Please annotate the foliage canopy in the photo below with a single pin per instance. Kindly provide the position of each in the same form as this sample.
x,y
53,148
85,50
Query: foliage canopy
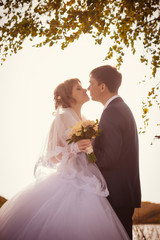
x,y
125,21
64,21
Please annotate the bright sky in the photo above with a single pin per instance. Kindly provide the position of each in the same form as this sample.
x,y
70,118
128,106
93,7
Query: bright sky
x,y
27,81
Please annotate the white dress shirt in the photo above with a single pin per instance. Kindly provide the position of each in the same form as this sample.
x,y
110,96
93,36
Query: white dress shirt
x,y
110,100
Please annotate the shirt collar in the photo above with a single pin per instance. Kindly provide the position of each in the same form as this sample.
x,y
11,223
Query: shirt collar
x,y
109,101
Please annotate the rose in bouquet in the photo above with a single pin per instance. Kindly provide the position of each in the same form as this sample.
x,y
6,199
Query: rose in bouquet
x,y
85,129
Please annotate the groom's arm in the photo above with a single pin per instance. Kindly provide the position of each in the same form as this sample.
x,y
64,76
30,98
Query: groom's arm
x,y
108,145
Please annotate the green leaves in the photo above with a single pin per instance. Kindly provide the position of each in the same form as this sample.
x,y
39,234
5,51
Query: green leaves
x,y
124,21
152,99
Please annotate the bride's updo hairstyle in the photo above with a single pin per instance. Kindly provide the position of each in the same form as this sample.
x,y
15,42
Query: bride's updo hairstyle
x,y
63,93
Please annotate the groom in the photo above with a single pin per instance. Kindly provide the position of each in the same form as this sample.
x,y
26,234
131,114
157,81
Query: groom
x,y
117,146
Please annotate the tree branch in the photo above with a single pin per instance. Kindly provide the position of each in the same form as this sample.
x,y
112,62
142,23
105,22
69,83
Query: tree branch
x,y
155,19
1,3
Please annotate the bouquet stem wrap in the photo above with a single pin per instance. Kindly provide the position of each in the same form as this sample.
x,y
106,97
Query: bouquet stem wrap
x,y
91,156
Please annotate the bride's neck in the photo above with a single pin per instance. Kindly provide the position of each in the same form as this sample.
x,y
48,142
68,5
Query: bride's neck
x,y
77,109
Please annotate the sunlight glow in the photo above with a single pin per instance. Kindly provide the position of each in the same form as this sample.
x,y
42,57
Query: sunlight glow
x,y
26,102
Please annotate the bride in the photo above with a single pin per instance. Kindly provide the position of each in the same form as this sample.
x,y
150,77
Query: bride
x,y
70,202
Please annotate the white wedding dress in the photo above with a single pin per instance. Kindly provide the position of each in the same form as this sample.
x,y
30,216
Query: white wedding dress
x,y
69,203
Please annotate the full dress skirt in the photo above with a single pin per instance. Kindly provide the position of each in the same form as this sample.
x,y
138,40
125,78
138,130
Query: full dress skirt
x,y
55,208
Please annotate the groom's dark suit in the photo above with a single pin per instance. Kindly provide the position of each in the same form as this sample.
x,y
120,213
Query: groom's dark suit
x,y
118,159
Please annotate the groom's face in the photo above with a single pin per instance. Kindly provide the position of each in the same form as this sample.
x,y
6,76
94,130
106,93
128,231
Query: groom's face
x,y
95,89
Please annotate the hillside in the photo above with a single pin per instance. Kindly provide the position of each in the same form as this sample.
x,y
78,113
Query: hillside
x,y
2,201
149,213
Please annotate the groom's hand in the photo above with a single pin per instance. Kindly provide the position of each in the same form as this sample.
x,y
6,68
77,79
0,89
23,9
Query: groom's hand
x,y
84,144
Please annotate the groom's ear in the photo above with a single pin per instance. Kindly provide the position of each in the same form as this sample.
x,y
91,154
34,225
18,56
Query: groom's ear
x,y
103,87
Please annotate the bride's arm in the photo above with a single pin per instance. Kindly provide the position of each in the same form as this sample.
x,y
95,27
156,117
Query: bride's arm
x,y
57,145
54,160
80,146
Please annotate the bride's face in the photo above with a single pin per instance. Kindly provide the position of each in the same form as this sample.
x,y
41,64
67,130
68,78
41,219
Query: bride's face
x,y
79,94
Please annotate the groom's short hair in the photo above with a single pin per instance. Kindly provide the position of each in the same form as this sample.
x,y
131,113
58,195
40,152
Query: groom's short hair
x,y
109,76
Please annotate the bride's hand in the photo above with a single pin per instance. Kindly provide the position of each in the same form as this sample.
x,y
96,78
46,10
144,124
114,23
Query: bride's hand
x,y
84,144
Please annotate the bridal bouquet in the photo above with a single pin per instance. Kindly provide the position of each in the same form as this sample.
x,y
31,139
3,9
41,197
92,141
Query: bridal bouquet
x,y
85,129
